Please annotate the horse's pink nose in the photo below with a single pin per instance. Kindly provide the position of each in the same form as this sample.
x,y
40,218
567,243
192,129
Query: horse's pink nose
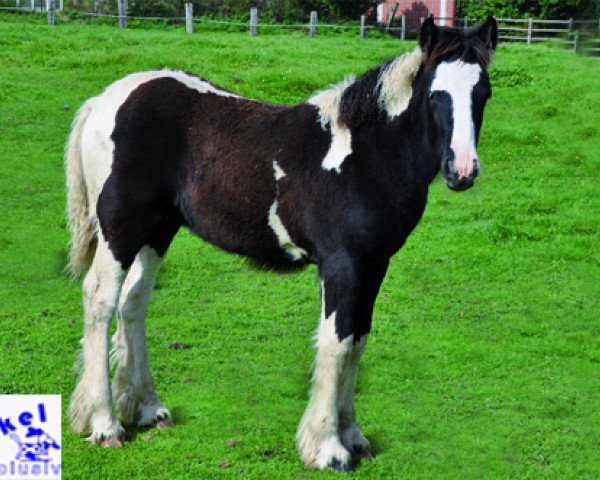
x,y
465,160
473,172
460,177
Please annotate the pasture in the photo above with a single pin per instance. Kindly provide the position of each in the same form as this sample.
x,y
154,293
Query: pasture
x,y
484,359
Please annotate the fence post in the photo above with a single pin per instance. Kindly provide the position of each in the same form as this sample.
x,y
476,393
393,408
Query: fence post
x,y
575,41
465,22
253,21
33,5
313,23
17,3
529,29
570,24
95,6
122,13
189,18
403,32
60,5
51,16
363,26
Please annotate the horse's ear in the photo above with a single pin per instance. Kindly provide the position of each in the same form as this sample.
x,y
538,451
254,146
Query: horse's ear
x,y
428,34
488,33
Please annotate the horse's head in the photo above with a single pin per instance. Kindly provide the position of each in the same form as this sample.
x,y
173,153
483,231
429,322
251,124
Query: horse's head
x,y
458,87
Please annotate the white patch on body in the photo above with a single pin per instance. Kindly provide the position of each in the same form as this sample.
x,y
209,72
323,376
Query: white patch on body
x,y
458,78
395,82
318,439
279,173
283,236
341,147
328,102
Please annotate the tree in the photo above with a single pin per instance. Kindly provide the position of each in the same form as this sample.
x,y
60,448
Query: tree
x,y
348,9
549,9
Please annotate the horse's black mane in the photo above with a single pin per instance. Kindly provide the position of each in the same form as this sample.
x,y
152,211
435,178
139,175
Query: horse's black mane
x,y
359,101
454,43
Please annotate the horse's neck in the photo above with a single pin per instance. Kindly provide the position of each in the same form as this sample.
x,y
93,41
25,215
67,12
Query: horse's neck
x,y
407,145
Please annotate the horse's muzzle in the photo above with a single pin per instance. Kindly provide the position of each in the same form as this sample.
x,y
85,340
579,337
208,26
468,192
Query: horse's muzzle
x,y
454,180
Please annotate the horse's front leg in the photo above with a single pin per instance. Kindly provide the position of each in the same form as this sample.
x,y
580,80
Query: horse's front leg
x,y
351,436
318,437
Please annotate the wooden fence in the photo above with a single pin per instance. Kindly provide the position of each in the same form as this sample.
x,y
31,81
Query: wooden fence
x,y
575,34
581,36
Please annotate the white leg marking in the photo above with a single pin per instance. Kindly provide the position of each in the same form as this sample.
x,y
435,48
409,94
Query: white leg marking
x,y
318,438
133,386
91,402
351,436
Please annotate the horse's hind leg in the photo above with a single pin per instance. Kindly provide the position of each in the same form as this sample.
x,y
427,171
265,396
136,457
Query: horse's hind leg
x,y
133,386
91,402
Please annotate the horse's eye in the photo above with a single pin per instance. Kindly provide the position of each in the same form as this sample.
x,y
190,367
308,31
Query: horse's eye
x,y
434,96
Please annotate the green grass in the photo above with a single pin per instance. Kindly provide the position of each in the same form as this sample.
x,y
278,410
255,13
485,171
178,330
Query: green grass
x,y
484,360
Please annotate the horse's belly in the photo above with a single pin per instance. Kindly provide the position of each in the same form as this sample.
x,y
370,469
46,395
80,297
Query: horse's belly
x,y
240,216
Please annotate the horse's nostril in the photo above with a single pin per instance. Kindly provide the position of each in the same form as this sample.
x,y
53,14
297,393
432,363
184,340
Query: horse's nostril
x,y
449,168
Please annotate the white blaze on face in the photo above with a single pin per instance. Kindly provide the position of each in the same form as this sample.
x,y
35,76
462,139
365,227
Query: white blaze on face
x,y
458,78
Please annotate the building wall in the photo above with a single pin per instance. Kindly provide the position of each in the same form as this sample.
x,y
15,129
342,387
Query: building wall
x,y
415,9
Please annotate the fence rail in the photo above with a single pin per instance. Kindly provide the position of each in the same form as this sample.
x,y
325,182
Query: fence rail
x,y
579,35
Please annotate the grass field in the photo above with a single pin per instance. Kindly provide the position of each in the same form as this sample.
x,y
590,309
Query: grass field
x,y
484,360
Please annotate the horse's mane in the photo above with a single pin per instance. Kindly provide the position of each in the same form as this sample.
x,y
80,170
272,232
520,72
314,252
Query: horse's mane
x,y
387,87
328,100
386,90
460,44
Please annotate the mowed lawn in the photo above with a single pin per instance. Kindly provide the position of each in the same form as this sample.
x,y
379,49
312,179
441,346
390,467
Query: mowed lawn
x,y
484,359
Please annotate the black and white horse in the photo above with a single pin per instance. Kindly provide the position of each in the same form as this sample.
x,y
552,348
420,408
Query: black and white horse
x,y
340,180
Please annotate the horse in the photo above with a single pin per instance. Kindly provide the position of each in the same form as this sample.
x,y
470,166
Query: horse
x,y
339,180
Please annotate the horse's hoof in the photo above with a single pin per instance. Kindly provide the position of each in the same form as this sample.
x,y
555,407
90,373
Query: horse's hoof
x,y
155,416
111,442
361,452
164,422
111,437
337,466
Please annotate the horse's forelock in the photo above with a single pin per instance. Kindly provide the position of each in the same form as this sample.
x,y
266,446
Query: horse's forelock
x,y
451,44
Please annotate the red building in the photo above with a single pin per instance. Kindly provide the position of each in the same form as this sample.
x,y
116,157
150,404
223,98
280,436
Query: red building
x,y
415,9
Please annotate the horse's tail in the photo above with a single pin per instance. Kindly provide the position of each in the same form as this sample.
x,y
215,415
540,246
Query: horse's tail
x,y
83,229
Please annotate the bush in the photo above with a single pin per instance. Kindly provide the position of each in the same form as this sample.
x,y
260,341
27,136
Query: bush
x,y
549,9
